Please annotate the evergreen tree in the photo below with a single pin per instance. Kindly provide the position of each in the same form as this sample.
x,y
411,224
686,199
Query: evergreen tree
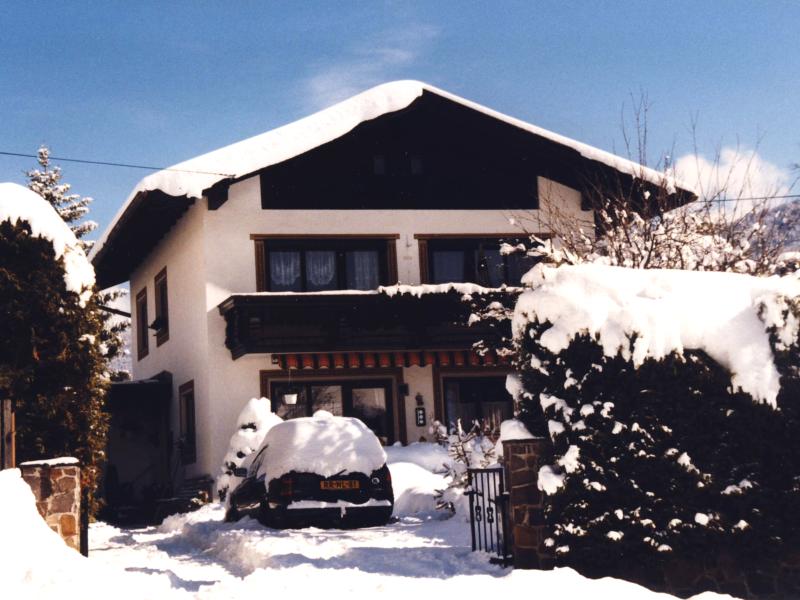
x,y
664,461
51,364
73,208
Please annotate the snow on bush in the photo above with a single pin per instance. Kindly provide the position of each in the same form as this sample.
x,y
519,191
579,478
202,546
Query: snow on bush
x,y
662,392
322,444
641,314
21,205
468,449
255,420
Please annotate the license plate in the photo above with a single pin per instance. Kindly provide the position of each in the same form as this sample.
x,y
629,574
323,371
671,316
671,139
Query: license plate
x,y
340,484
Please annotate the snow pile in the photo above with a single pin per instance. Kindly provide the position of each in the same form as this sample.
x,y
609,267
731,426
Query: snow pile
x,y
209,559
28,547
19,204
415,489
255,420
322,444
36,563
419,475
431,457
511,429
724,314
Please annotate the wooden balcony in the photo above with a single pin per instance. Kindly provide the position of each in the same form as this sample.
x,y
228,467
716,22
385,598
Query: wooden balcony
x,y
384,320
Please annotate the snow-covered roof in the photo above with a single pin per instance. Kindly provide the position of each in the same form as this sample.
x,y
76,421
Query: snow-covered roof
x,y
322,444
727,315
19,204
190,178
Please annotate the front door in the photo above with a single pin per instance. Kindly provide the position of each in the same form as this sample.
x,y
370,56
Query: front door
x,y
369,400
481,401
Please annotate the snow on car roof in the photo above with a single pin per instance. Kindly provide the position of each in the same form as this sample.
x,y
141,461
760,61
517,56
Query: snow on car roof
x,y
191,177
323,444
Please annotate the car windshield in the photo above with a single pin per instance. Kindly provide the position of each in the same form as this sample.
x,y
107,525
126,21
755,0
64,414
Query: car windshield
x,y
254,466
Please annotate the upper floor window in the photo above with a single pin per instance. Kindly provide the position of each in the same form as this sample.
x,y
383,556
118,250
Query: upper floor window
x,y
474,260
141,324
324,263
161,323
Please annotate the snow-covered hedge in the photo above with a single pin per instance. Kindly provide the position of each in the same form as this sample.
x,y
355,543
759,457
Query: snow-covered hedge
x,y
671,398
255,420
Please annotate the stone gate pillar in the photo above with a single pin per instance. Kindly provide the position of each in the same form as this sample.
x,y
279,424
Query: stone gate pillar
x,y
522,460
56,485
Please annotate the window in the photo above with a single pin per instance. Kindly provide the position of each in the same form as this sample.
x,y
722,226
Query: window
x,y
141,324
367,400
474,260
482,400
322,264
161,324
187,442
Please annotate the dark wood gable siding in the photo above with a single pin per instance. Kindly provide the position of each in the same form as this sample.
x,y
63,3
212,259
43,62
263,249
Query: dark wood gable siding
x,y
434,154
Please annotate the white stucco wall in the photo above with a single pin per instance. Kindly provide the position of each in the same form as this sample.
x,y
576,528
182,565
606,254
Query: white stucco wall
x,y
185,354
420,381
209,256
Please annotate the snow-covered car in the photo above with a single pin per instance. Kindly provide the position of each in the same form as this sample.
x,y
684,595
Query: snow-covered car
x,y
323,471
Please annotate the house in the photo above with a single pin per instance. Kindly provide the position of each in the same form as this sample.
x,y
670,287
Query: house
x,y
270,268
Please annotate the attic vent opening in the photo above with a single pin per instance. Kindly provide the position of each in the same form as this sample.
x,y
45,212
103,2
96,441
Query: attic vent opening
x,y
379,164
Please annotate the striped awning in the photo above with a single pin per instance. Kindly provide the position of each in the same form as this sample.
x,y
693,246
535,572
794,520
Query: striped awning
x,y
369,360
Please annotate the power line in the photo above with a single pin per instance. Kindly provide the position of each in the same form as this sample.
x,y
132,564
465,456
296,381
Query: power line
x,y
149,168
114,164
754,198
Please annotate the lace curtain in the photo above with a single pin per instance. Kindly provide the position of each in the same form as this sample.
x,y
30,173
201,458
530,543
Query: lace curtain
x,y
362,270
284,270
320,269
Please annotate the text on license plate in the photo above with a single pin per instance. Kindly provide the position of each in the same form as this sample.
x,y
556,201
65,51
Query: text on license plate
x,y
340,484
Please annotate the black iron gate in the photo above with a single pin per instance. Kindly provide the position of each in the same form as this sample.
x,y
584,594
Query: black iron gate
x,y
488,513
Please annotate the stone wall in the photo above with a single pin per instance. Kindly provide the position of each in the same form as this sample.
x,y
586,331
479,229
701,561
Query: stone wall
x,y
723,573
56,486
526,502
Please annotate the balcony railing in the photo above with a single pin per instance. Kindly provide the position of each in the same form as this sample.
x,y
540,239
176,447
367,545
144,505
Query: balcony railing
x,y
392,318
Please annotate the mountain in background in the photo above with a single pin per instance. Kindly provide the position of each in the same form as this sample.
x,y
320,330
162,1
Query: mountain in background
x,y
786,219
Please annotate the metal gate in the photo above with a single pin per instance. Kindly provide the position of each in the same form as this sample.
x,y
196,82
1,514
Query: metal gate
x,y
488,513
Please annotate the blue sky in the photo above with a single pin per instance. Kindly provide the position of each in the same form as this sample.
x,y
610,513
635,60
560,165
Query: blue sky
x,y
163,82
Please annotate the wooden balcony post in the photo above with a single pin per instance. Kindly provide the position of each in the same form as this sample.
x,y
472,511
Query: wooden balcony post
x,y
8,459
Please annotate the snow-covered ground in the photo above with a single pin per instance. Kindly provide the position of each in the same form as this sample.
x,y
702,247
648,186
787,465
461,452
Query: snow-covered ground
x,y
198,555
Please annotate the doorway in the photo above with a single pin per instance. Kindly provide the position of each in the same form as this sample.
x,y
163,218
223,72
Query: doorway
x,y
481,400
